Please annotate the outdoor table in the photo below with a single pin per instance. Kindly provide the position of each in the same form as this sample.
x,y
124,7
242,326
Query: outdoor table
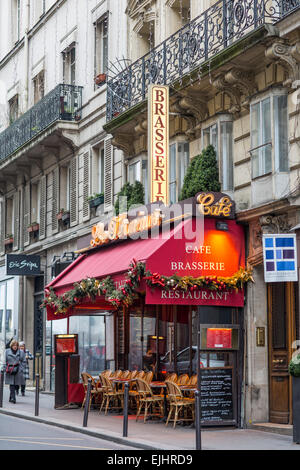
x,y
162,385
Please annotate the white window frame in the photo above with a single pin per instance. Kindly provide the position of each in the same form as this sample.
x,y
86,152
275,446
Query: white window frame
x,y
224,159
275,129
69,65
178,179
101,44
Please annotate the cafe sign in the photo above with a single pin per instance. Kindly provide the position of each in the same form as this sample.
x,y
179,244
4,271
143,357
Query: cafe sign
x,y
158,132
23,265
216,205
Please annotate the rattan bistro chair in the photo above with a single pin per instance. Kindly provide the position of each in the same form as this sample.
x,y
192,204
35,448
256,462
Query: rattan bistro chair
x,y
182,379
182,407
148,377
172,377
96,390
110,393
148,400
133,392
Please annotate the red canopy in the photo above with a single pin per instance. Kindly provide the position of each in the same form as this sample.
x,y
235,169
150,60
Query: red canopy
x,y
171,252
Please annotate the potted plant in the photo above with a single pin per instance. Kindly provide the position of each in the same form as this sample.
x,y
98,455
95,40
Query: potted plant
x,y
294,370
100,79
65,216
9,239
33,227
95,200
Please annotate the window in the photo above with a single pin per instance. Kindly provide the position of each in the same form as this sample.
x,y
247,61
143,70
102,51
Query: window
x,y
220,135
101,171
64,184
101,46
269,113
16,20
134,172
38,87
9,214
179,162
69,65
13,105
35,203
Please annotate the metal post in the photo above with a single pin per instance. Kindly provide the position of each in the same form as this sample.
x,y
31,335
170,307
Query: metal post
x,y
125,412
1,387
87,403
37,396
198,392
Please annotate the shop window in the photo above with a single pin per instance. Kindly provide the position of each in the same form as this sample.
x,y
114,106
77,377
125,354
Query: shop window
x,y
38,87
13,110
220,135
101,45
267,145
179,162
69,66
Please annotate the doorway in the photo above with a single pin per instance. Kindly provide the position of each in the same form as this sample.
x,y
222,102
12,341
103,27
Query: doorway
x,y
282,305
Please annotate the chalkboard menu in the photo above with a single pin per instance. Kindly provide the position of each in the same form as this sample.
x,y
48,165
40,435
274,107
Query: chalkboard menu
x,y
216,395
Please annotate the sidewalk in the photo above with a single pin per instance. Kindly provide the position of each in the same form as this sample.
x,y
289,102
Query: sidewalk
x,y
151,435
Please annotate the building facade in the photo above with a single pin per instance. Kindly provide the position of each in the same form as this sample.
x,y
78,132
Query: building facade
x,y
233,72
54,152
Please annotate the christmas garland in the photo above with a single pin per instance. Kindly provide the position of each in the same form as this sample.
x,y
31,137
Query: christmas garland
x,y
92,288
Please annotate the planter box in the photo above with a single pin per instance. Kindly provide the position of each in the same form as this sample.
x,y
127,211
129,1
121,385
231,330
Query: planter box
x,y
100,79
33,228
296,410
96,202
65,216
8,241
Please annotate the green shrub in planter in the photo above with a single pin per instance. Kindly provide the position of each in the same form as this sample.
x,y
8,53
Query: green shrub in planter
x,y
202,174
294,366
135,195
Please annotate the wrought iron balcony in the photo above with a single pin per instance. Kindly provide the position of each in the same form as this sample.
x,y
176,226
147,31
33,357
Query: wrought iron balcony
x,y
219,27
63,103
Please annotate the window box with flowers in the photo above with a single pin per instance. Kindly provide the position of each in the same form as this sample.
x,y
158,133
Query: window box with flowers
x,y
100,79
9,239
33,227
95,200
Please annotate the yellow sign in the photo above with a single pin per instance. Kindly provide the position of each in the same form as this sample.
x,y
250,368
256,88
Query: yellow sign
x,y
158,119
209,206
121,227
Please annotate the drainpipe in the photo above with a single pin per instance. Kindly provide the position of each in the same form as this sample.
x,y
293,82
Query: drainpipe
x,y
26,54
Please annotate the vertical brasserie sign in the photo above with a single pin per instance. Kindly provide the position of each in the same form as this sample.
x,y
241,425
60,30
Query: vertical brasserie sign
x,y
158,132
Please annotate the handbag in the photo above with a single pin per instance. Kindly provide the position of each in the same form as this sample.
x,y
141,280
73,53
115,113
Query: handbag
x,y
12,369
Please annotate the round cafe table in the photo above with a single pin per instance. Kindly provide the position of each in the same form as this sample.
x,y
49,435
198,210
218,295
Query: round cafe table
x,y
157,384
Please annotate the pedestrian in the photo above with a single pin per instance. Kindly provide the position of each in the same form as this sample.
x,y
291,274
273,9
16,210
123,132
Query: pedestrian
x,y
28,356
14,366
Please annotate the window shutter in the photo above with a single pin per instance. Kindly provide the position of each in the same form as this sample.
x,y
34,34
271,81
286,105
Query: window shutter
x,y
2,226
26,236
73,191
16,221
86,186
108,175
55,199
43,208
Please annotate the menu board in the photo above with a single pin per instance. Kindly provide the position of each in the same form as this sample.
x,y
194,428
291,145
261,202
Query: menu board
x,y
66,344
216,395
219,338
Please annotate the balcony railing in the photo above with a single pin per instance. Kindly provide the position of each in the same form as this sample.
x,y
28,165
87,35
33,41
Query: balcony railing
x,y
63,103
200,40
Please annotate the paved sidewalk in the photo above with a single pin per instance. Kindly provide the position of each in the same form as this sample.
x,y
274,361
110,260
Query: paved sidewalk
x,y
151,435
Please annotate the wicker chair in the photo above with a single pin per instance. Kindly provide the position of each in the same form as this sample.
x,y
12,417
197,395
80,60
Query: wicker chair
x,y
147,400
110,394
179,404
107,373
193,380
183,379
172,377
126,374
96,389
133,393
148,377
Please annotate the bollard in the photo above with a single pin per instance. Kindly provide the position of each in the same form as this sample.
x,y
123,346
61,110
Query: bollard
x,y
87,403
125,412
37,394
198,419
1,387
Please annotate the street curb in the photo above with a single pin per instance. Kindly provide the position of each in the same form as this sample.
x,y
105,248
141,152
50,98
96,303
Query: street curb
x,y
106,437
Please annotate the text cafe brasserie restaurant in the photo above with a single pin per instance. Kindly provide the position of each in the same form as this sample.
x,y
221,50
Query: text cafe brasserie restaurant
x,y
152,278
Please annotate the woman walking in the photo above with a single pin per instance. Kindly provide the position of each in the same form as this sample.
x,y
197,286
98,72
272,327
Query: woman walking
x,y
15,364
28,356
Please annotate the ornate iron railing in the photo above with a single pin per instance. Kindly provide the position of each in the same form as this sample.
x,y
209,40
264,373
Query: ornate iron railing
x,y
200,40
62,103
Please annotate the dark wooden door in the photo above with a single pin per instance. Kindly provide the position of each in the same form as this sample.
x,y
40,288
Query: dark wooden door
x,y
281,315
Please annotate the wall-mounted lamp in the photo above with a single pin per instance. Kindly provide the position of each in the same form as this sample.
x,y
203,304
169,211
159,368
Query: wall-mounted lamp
x,y
220,225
